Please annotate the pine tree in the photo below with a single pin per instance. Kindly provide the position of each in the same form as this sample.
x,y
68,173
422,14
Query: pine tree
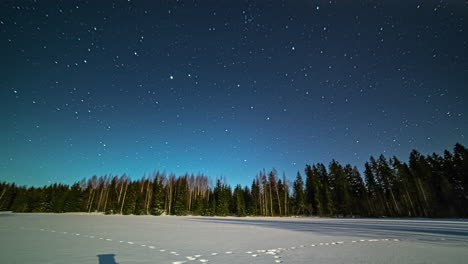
x,y
275,199
388,181
239,201
460,178
157,207
373,191
222,198
8,194
325,190
181,193
441,188
255,189
340,189
299,197
312,191
357,191
73,199
248,201
421,172
406,187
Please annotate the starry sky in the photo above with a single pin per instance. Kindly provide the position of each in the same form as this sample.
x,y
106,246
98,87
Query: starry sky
x,y
225,88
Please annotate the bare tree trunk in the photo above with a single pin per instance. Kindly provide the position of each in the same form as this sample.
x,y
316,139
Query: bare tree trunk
x,y
279,200
148,197
263,200
166,202
371,206
191,192
424,196
387,205
286,211
190,197
395,202
145,190
92,199
170,186
123,199
120,192
411,202
89,198
100,198
3,193
105,201
149,202
260,197
170,199
271,202
266,201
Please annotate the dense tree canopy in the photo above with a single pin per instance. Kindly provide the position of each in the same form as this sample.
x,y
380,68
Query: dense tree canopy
x,y
426,186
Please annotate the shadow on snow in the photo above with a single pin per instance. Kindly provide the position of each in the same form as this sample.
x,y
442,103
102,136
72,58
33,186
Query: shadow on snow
x,y
425,230
106,259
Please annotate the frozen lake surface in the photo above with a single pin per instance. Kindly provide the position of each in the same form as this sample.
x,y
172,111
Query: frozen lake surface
x,y
110,239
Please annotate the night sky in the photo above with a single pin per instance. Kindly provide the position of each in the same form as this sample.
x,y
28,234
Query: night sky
x,y
226,88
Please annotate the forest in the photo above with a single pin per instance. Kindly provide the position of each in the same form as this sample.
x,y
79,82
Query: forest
x,y
426,186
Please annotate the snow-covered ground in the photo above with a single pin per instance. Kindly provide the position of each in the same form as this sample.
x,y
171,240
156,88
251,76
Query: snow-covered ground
x,y
83,238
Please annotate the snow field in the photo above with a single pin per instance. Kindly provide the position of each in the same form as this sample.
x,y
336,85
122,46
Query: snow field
x,y
275,253
80,238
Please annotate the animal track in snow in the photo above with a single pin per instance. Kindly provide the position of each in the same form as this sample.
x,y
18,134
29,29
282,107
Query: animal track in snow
x,y
257,253
133,243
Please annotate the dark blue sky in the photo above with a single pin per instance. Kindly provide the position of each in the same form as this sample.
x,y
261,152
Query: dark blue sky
x,y
225,88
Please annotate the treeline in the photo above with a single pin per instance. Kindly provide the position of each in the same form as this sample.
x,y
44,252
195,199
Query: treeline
x,y
425,186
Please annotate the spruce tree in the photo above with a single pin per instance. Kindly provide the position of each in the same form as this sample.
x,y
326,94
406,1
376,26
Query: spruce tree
x,y
157,207
312,191
340,189
239,201
180,204
357,191
299,197
325,190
